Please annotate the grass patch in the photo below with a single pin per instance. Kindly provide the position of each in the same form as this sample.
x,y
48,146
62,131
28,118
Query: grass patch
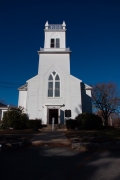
x,y
15,138
113,134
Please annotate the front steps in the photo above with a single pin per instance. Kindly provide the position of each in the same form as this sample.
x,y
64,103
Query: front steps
x,y
56,126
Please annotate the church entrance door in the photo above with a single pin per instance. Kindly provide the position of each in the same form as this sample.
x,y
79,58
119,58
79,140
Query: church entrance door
x,y
53,113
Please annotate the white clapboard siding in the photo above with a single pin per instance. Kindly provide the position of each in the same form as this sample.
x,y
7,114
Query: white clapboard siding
x,y
74,94
32,97
22,99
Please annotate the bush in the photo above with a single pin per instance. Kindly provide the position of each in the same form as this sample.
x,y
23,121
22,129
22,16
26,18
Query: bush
x,y
71,124
1,125
33,124
89,121
15,118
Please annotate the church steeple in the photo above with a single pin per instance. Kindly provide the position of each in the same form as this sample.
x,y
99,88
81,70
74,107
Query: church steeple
x,y
55,37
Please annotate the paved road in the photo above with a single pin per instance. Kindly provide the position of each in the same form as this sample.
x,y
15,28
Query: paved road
x,y
57,163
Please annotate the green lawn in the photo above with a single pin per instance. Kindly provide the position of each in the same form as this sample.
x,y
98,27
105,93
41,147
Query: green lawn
x,y
112,133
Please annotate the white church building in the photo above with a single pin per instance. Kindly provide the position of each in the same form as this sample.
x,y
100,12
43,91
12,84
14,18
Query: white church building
x,y
54,89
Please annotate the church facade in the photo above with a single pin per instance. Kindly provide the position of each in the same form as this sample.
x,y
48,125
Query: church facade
x,y
54,89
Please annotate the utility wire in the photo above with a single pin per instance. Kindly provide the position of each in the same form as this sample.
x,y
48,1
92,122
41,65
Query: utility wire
x,y
3,82
8,87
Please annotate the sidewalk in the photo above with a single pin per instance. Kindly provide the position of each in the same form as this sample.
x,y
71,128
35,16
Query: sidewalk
x,y
50,137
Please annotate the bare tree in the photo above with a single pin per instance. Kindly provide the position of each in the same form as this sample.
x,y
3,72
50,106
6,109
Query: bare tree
x,y
106,98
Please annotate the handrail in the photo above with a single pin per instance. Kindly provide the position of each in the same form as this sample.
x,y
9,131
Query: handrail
x,y
55,26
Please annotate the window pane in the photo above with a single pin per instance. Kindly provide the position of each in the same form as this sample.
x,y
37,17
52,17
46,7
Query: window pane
x,y
50,77
50,85
50,89
52,44
54,72
50,93
57,93
52,40
57,40
57,77
57,89
57,43
57,85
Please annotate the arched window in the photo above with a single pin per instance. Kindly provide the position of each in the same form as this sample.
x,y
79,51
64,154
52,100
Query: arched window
x,y
50,86
54,85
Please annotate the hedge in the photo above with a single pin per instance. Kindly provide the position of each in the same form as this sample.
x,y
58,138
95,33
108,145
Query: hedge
x,y
14,118
71,124
89,121
31,124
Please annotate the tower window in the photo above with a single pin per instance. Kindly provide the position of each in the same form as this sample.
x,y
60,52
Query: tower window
x,y
54,85
55,43
52,43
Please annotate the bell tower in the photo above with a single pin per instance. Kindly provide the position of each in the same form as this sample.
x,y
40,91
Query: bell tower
x,y
55,36
54,52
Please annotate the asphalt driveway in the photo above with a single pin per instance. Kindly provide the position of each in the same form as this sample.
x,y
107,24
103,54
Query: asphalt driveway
x,y
59,163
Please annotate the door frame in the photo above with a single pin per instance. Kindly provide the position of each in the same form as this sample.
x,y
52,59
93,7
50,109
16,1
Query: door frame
x,y
53,107
54,113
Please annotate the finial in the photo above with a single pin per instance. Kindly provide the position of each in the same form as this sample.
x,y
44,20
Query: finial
x,y
46,25
63,25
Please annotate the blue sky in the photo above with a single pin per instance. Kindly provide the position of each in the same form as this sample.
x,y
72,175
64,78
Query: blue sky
x,y
93,35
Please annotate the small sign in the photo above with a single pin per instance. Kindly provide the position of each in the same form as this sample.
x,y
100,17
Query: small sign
x,y
67,113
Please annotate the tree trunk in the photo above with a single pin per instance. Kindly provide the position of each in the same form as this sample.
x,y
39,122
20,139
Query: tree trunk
x,y
106,122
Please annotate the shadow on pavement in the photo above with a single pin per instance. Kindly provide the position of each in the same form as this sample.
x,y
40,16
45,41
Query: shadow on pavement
x,y
37,163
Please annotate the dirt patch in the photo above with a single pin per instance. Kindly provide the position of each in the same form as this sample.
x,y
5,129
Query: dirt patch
x,y
110,133
13,131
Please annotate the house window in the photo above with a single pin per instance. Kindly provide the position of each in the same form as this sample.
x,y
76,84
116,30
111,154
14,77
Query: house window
x,y
55,43
3,112
54,85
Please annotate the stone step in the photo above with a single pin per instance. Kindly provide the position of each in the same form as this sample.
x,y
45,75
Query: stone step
x,y
56,126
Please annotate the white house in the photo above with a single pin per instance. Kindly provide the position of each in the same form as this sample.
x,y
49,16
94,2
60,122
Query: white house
x,y
54,89
3,109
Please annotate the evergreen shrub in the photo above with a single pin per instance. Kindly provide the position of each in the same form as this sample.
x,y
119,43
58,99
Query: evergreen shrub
x,y
33,124
89,121
71,124
15,118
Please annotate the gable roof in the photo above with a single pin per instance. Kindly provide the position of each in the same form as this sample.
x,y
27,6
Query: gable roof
x,y
85,86
2,105
23,87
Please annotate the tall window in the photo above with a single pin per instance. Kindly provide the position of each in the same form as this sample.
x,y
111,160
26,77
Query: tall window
x,y
54,85
55,43
52,43
50,86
